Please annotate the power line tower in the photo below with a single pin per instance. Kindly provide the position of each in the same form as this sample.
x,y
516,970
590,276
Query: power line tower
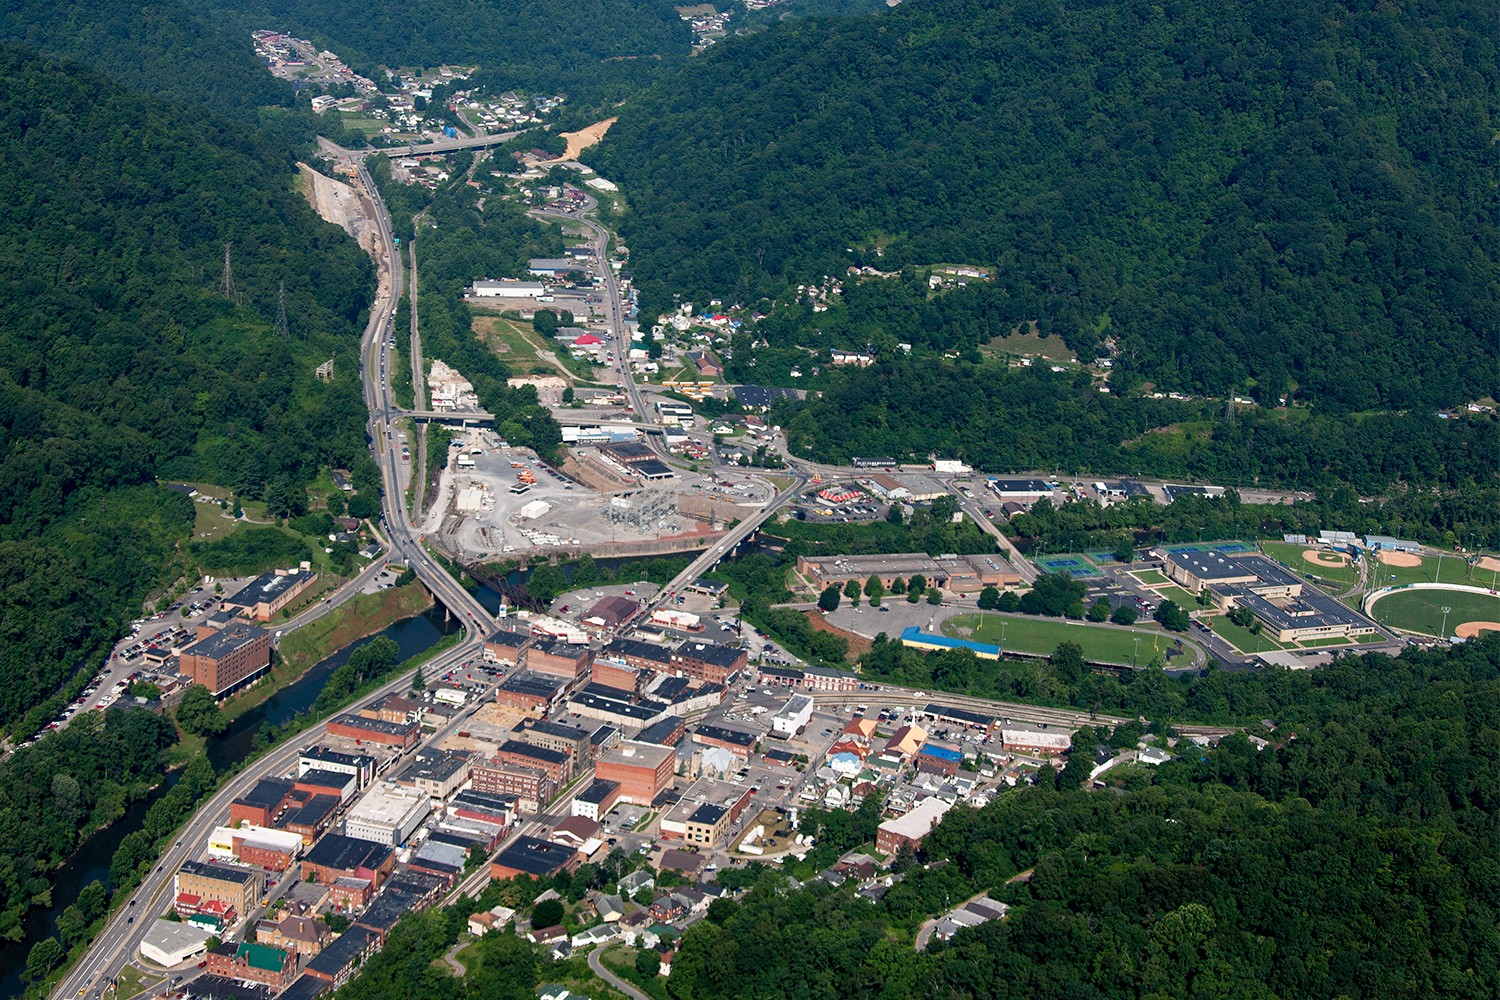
x,y
226,283
281,326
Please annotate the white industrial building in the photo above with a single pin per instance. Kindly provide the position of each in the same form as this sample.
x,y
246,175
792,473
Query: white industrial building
x,y
221,841
535,509
795,714
388,815
168,943
508,289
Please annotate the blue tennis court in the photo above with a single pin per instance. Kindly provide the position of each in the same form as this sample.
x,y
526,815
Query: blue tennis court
x,y
1228,548
1074,566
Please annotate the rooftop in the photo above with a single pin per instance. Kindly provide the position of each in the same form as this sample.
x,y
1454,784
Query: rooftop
x,y
226,640
599,790
220,871
649,651
267,793
434,765
328,755
375,725
268,586
710,652
726,735
531,684
535,857
340,853
533,752
636,754
708,814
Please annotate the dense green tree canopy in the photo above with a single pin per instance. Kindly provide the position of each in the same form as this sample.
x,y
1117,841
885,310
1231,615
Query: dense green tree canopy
x,y
1238,194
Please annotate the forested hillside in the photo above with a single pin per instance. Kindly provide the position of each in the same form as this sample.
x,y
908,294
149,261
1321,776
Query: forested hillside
x,y
167,48
125,362
1280,196
1353,857
578,46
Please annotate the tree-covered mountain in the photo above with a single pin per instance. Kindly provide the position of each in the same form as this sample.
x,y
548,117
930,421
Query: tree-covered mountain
x,y
1286,196
167,48
124,362
579,46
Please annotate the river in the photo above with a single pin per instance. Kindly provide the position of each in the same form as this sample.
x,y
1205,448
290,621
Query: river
x,y
91,861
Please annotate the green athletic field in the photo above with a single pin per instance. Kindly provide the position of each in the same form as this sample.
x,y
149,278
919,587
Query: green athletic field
x,y
1455,570
1025,634
1290,556
1421,611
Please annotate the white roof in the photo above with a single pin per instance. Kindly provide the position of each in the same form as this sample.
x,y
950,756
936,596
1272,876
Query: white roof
x,y
169,943
919,821
388,806
1035,738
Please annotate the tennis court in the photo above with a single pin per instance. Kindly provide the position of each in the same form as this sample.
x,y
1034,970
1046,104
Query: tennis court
x,y
1228,548
1075,566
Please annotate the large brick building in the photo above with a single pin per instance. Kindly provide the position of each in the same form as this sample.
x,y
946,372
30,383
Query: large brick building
x,y
529,693
561,737
363,730
556,765
268,593
337,856
642,770
554,658
506,647
537,858
253,963
708,661
228,659
529,786
236,886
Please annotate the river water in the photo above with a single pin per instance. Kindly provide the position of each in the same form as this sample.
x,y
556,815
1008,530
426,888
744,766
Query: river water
x,y
91,861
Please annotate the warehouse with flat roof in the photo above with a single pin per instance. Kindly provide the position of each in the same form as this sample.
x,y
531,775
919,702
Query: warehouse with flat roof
x,y
387,815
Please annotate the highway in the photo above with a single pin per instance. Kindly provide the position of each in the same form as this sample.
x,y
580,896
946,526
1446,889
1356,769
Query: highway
x,y
118,943
447,145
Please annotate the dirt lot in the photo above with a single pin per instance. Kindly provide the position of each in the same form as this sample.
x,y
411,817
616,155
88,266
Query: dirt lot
x,y
858,644
585,137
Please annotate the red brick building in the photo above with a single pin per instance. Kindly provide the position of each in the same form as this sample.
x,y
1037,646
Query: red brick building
x,y
253,963
642,770
554,658
530,785
228,659
708,661
556,764
362,730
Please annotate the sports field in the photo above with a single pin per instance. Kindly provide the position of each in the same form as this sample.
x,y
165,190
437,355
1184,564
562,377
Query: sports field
x,y
1421,611
1455,570
1326,567
1149,576
1024,634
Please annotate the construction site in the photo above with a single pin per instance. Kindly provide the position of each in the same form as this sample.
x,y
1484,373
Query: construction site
x,y
495,501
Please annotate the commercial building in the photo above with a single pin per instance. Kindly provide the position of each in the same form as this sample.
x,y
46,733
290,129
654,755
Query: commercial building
x,y
708,662
336,963
335,857
505,646
642,770
268,593
318,758
309,816
507,289
306,936
706,812
1035,743
596,801
911,829
362,730
553,657
169,942
228,659
435,773
736,741
340,784
559,737
237,887
612,612
794,715
387,815
530,787
644,655
262,803
939,757
615,707
618,675
1020,489
255,845
248,962
529,693
556,765
537,858
486,807
962,574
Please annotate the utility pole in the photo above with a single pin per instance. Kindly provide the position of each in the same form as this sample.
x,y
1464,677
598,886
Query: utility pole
x,y
281,326
1444,636
226,283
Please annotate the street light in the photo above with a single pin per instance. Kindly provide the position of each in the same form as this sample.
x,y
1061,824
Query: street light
x,y
1135,652
1445,622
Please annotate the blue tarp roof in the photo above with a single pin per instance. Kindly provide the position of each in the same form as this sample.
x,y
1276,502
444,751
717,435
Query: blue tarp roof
x,y
913,634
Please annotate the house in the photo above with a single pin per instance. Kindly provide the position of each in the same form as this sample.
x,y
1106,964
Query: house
x,y
609,908
494,919
910,829
635,882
